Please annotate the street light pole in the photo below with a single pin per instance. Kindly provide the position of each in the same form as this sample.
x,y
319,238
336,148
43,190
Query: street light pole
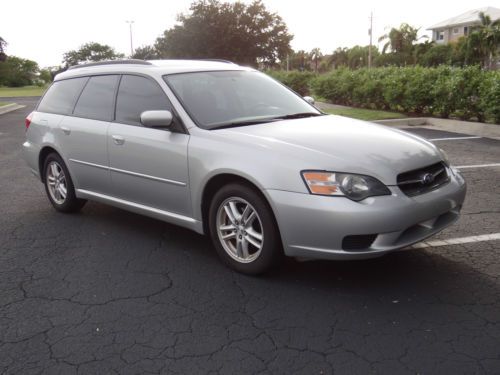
x,y
131,44
371,34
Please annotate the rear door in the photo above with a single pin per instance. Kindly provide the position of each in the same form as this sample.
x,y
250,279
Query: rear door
x,y
84,134
148,166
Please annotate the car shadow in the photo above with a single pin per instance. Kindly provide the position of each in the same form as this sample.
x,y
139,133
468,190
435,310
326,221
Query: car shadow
x,y
432,272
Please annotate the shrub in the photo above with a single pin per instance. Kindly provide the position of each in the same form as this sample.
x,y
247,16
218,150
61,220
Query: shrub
x,y
490,96
296,80
445,91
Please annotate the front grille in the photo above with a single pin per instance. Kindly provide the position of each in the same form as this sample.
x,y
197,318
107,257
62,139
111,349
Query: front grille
x,y
423,180
358,242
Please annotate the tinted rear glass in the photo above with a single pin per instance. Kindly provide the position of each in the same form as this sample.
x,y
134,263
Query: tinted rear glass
x,y
61,96
97,98
136,95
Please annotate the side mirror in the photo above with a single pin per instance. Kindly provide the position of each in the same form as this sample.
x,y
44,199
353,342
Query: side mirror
x,y
156,119
309,99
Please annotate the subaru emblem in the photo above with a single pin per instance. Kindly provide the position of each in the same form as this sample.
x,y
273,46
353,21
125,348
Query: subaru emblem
x,y
427,178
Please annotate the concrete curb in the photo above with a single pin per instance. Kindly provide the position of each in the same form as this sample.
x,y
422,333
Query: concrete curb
x,y
10,107
456,126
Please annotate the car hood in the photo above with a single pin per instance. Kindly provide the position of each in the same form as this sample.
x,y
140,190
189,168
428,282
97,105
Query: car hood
x,y
341,144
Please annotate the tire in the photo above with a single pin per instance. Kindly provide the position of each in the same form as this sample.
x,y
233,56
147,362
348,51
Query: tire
x,y
242,250
57,180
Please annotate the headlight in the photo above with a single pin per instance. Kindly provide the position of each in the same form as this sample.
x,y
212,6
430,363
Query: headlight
x,y
444,157
353,186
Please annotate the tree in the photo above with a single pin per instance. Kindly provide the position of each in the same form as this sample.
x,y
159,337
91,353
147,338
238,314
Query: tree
x,y
45,76
357,56
316,56
339,57
90,52
3,44
436,54
145,53
16,72
401,41
246,34
299,60
484,40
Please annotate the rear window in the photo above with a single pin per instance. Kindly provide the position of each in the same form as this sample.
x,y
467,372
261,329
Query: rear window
x,y
96,100
136,95
61,97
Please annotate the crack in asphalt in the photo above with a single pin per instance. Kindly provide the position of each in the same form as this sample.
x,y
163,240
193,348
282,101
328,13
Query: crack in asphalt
x,y
111,292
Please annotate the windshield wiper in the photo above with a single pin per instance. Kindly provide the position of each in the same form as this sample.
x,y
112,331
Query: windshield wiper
x,y
297,115
242,123
264,120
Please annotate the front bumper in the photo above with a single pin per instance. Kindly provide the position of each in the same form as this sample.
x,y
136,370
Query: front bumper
x,y
314,226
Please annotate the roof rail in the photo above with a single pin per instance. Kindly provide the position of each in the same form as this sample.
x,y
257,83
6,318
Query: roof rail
x,y
219,60
111,62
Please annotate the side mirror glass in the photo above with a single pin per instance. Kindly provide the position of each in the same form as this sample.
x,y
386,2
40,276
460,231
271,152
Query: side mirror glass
x,y
156,119
309,99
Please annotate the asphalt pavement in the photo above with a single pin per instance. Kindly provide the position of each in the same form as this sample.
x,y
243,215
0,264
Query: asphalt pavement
x,y
106,291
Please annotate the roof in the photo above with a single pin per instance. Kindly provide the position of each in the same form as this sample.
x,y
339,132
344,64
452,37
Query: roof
x,y
470,17
154,67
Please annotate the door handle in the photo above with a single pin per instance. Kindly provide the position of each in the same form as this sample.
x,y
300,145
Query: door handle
x,y
66,130
118,139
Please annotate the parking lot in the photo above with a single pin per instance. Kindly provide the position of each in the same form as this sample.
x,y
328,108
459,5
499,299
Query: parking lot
x,y
107,291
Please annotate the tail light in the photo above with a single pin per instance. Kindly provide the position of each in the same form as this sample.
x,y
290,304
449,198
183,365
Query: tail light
x,y
27,121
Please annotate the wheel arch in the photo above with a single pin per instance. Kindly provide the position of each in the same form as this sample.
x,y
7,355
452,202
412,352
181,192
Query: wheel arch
x,y
44,152
219,180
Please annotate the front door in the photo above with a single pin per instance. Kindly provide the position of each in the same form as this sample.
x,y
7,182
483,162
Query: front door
x,y
148,166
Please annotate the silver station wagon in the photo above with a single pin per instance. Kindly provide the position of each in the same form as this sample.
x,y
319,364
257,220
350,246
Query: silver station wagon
x,y
227,151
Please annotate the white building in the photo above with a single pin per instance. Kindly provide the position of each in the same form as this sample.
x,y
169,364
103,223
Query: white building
x,y
453,28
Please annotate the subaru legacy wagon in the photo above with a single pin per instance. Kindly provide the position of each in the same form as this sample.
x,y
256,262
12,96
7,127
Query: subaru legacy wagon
x,y
227,151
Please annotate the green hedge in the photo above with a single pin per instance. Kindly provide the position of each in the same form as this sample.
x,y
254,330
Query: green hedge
x,y
297,81
466,93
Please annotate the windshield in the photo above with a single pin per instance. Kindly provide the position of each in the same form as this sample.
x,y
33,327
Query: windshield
x,y
236,98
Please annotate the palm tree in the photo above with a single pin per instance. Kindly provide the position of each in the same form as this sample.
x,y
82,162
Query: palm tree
x,y
401,40
316,55
484,40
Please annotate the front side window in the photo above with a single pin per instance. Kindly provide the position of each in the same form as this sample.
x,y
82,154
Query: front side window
x,y
97,99
232,98
61,97
136,95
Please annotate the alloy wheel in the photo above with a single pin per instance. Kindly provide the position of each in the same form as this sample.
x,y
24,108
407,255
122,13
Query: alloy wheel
x,y
56,182
240,230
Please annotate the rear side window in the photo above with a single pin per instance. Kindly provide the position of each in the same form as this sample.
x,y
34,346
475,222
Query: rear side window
x,y
61,96
97,99
136,95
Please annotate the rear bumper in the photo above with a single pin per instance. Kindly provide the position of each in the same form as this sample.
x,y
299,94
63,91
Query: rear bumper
x,y
30,155
316,226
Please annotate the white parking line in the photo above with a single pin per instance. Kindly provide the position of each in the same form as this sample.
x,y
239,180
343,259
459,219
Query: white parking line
x,y
452,138
457,241
478,166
